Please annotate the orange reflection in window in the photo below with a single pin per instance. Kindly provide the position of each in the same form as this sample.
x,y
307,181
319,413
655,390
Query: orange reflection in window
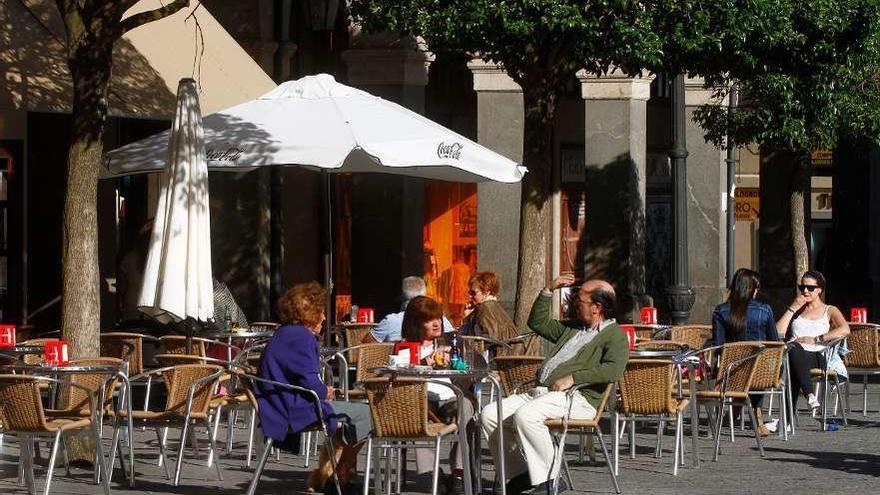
x,y
450,244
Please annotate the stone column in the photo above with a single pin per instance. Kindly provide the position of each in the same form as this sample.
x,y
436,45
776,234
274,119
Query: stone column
x,y
499,128
387,210
615,125
706,190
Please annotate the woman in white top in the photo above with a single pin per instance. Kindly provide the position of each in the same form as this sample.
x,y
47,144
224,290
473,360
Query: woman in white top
x,y
811,323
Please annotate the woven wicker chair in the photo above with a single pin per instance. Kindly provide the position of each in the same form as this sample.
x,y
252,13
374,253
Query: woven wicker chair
x,y
517,373
770,380
733,380
644,332
560,427
369,356
399,409
34,359
128,347
354,335
190,388
864,356
647,391
22,405
695,336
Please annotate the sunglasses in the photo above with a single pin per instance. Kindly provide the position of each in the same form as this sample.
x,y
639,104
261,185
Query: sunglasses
x,y
808,288
472,292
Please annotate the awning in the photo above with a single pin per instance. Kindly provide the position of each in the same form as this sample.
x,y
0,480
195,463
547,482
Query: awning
x,y
148,62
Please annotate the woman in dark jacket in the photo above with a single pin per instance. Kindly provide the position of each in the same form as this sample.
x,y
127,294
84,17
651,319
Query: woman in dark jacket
x,y
742,318
293,356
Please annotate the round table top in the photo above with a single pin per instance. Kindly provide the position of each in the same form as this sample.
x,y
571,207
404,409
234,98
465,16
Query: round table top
x,y
428,372
241,334
664,353
46,369
23,349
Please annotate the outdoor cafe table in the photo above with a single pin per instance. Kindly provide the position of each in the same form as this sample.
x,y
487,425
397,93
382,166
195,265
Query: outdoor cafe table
x,y
680,359
476,376
110,372
229,336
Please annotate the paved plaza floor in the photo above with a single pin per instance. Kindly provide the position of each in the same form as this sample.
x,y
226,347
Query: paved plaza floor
x,y
843,461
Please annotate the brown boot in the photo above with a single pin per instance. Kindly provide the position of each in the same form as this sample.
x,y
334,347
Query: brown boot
x,y
761,430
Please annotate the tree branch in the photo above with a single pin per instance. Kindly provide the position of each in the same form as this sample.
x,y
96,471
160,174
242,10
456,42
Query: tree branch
x,y
139,20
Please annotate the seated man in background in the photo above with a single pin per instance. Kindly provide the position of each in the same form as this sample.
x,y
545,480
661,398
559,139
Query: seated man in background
x,y
390,328
590,350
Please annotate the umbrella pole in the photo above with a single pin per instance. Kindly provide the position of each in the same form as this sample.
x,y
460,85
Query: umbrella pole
x,y
328,254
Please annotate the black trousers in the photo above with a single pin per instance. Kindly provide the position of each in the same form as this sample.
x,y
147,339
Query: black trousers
x,y
802,361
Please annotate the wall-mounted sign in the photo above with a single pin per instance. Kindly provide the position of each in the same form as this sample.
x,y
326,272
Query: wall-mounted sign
x,y
822,158
748,202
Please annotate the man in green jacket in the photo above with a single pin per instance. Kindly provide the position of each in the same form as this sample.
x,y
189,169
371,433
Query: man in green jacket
x,y
591,350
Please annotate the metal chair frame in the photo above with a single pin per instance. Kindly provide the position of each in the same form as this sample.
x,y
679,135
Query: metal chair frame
x,y
261,463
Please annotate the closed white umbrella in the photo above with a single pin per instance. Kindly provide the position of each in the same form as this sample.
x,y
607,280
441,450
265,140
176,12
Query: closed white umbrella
x,y
177,282
319,123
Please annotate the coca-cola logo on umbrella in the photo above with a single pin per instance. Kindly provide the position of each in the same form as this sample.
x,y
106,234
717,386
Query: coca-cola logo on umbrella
x,y
451,150
228,155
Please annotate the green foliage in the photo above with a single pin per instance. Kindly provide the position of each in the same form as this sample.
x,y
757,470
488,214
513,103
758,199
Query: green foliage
x,y
535,40
807,72
806,68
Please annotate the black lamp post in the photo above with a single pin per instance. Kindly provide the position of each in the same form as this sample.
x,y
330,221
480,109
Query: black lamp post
x,y
679,296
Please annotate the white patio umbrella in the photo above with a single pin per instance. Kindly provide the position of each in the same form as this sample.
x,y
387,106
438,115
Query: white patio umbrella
x,y
317,122
177,282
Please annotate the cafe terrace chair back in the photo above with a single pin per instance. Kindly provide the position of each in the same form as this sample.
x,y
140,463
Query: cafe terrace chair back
x,y
695,336
399,409
648,392
733,380
23,413
517,373
864,357
190,388
560,427
770,379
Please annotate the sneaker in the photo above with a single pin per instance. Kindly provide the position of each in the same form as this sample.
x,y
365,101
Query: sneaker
x,y
772,425
814,404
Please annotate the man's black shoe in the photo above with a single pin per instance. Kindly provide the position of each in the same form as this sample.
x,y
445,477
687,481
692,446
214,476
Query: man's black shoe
x,y
454,485
546,488
518,484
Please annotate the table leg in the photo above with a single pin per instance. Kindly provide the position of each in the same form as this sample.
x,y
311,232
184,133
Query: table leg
x,y
499,462
695,414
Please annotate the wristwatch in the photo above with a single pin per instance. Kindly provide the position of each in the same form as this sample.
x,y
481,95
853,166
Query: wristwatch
x,y
819,339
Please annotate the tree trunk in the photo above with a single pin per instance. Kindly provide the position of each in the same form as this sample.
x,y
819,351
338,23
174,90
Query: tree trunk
x,y
80,302
81,310
800,183
535,217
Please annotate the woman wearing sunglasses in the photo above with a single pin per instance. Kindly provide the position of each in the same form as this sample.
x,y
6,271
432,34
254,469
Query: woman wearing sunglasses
x,y
811,324
486,317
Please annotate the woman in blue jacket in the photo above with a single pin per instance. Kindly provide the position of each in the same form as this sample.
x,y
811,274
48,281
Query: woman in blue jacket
x,y
293,356
743,318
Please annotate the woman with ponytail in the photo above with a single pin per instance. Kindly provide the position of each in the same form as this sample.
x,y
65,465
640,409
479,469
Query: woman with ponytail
x,y
743,318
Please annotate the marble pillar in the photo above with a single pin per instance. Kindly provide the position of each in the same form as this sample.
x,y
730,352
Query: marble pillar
x,y
707,209
499,128
614,140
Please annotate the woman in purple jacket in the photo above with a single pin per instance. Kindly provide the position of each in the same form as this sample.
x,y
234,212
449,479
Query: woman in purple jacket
x,y
293,356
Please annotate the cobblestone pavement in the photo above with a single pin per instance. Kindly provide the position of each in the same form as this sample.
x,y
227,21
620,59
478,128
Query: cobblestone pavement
x,y
844,461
